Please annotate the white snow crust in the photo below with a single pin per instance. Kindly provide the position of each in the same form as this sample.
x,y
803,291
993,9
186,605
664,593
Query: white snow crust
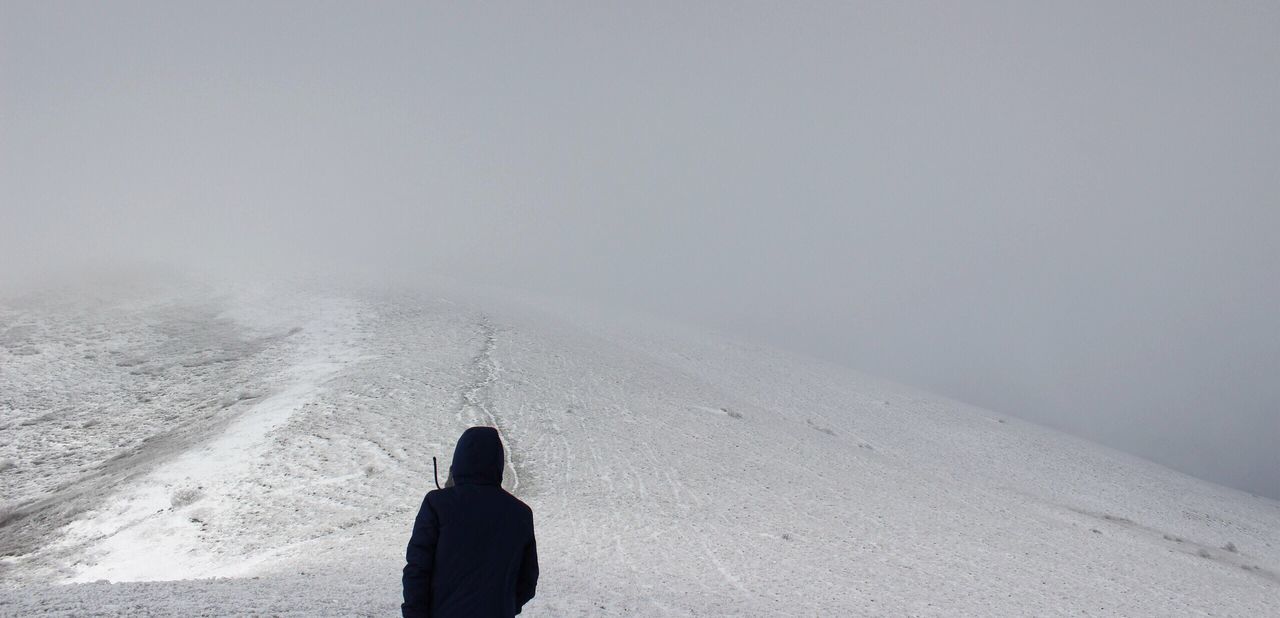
x,y
671,471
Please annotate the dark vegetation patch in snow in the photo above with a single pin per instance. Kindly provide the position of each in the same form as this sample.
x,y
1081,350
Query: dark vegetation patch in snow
x,y
820,428
184,496
1117,519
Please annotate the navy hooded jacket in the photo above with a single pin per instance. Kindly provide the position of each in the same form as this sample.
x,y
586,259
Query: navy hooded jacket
x,y
472,552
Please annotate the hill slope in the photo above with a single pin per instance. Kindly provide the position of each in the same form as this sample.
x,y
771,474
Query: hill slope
x,y
669,471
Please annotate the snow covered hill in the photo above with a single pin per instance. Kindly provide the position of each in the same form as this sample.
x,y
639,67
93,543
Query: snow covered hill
x,y
280,440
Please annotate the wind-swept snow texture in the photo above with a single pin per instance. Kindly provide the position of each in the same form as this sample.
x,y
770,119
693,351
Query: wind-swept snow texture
x,y
216,453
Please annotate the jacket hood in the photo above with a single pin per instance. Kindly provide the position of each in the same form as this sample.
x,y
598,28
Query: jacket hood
x,y
478,458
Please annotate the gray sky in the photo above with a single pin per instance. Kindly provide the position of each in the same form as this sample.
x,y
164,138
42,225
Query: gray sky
x,y
1064,211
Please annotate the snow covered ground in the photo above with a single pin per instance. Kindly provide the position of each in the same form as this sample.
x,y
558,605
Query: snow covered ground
x,y
213,452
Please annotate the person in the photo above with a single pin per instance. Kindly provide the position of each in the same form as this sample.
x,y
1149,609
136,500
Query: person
x,y
472,552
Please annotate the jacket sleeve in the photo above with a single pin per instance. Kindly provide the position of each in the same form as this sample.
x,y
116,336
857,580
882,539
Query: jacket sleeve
x,y
420,560
527,581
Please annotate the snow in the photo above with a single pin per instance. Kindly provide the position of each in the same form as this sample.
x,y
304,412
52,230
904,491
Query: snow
x,y
149,515
671,472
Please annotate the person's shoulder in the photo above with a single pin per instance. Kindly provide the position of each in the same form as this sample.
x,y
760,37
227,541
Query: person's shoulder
x,y
436,496
520,506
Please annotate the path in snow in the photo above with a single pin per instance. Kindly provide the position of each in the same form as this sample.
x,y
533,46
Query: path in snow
x,y
477,399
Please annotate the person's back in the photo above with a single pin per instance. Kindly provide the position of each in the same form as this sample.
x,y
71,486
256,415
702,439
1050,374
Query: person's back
x,y
472,552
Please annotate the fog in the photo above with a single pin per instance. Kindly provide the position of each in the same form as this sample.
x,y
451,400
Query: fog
x,y
1062,212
